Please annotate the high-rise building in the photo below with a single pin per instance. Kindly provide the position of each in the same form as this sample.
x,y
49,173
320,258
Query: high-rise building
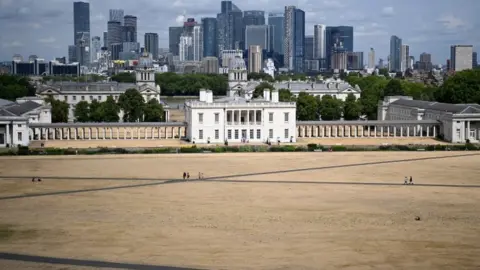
x,y
309,47
72,54
425,63
116,15
253,17
338,39
276,21
230,27
257,35
151,44
174,33
339,60
294,44
461,57
129,31
395,54
105,39
81,29
185,48
254,59
197,40
355,60
96,49
474,60
371,58
114,35
210,65
405,57
229,55
210,37
319,41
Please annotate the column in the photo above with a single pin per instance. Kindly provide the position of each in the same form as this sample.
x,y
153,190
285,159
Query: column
x,y
75,133
159,133
124,133
375,131
421,131
468,130
68,134
434,131
408,131
381,131
9,141
428,131
394,131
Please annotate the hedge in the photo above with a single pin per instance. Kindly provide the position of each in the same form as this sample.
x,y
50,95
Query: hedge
x,y
23,150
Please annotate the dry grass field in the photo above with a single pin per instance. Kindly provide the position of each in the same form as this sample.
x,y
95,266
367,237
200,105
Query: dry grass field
x,y
253,211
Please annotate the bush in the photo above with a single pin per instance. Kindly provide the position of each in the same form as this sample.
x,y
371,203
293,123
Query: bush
x,y
339,148
23,150
312,146
301,149
192,149
219,149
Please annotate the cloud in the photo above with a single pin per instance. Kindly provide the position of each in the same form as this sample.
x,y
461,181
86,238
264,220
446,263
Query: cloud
x,y
333,4
451,22
388,12
13,44
47,40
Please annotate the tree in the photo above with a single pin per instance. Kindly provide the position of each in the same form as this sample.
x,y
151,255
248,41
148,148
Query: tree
x,y
109,110
462,87
330,108
259,89
190,84
82,112
284,95
59,110
96,113
351,108
394,88
153,111
132,104
124,77
307,107
260,76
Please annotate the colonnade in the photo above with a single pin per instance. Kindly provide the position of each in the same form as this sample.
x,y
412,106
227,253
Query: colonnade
x,y
107,133
366,131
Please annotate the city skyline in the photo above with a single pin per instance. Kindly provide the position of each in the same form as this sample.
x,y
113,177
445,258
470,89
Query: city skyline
x,y
43,29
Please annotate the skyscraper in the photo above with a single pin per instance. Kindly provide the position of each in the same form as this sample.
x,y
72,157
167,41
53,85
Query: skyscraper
x,y
116,15
355,60
338,39
395,54
151,44
174,33
129,29
254,59
209,37
105,39
81,31
197,40
230,27
96,48
257,35
474,60
405,57
277,22
461,57
309,47
319,41
294,41
114,36
253,17
371,58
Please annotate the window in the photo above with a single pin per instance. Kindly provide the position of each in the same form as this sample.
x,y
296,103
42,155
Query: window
x,y
217,134
259,134
286,117
2,138
251,134
19,125
74,98
200,118
19,136
270,133
65,98
229,133
99,98
91,97
217,118
236,134
286,133
270,117
200,134
83,98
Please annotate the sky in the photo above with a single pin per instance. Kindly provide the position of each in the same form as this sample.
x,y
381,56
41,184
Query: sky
x,y
45,27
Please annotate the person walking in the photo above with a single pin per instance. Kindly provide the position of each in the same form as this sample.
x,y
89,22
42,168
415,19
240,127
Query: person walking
x,y
184,175
188,175
405,181
411,180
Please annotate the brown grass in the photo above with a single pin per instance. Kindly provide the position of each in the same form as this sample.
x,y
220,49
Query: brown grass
x,y
250,225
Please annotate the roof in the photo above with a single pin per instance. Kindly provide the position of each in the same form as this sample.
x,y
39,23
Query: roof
x,y
315,86
369,123
4,102
438,106
80,86
118,124
22,108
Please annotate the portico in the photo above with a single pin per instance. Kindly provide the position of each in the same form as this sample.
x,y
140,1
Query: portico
x,y
107,131
367,129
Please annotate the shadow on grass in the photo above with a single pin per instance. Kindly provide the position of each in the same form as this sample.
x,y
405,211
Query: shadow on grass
x,y
10,232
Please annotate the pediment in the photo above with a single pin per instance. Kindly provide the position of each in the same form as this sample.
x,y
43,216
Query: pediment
x,y
349,90
147,89
48,91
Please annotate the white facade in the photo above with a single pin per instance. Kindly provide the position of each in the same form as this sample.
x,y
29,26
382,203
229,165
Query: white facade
x,y
336,88
185,48
319,46
269,67
459,122
228,55
461,57
371,59
238,118
197,43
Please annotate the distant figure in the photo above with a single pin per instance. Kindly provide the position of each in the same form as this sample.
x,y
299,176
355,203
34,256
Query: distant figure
x,y
406,180
39,180
411,180
184,175
33,179
188,175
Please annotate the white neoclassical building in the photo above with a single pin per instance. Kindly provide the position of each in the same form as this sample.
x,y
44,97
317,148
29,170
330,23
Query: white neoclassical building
x,y
15,118
239,117
459,122
74,92
336,88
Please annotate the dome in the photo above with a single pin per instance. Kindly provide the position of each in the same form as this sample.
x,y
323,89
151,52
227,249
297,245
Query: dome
x,y
237,63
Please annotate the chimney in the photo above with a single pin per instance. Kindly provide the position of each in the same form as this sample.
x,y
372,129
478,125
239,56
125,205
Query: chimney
x,y
266,94
203,95
209,96
274,95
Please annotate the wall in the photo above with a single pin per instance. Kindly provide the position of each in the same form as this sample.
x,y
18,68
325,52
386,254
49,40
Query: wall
x,y
208,126
279,125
